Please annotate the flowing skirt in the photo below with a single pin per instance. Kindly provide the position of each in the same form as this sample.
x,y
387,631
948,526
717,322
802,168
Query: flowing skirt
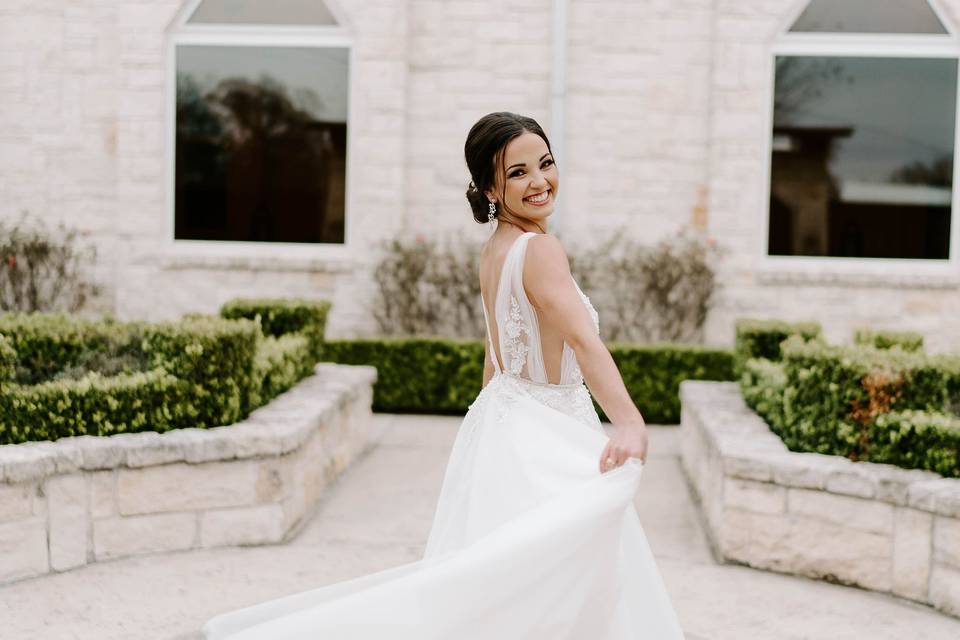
x,y
529,541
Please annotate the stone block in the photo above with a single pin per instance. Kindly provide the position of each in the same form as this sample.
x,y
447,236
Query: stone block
x,y
912,531
103,495
846,511
185,487
807,546
945,588
68,515
759,497
251,525
946,541
23,549
119,537
16,500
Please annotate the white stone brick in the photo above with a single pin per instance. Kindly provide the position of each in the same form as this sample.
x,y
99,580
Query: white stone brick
x,y
23,549
246,526
16,500
67,499
945,589
759,497
807,546
946,541
911,553
118,537
182,487
846,511
103,498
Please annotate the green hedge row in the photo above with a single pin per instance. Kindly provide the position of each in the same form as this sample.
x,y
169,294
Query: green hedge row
x,y
906,340
761,338
281,316
65,376
428,375
855,400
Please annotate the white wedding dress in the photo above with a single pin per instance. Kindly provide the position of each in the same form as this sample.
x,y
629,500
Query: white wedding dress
x,y
529,540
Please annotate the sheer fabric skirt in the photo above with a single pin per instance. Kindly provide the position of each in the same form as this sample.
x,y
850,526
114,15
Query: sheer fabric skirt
x,y
529,541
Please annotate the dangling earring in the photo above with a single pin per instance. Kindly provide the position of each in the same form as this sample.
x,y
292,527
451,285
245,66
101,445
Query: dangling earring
x,y
493,211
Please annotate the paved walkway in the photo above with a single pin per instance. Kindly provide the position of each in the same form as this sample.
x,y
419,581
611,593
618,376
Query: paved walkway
x,y
378,515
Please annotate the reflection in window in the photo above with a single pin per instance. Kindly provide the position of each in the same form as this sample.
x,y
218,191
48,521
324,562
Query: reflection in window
x,y
261,135
860,166
869,16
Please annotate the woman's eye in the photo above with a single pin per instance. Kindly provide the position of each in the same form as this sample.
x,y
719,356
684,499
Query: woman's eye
x,y
518,172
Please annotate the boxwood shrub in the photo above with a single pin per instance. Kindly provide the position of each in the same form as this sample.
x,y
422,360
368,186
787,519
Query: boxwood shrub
x,y
860,402
435,375
66,376
906,340
761,338
282,316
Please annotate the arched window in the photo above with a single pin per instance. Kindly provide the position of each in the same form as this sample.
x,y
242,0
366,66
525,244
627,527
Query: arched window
x,y
864,125
259,106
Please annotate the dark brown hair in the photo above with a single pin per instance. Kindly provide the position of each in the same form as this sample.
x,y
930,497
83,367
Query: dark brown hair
x,y
484,153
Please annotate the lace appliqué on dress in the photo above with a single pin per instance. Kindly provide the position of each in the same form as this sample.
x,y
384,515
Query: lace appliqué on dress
x,y
570,399
516,348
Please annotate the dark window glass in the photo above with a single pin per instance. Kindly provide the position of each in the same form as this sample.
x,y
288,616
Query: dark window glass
x,y
292,12
261,143
869,16
862,157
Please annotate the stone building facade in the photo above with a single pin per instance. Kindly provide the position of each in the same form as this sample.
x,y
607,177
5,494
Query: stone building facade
x,y
660,112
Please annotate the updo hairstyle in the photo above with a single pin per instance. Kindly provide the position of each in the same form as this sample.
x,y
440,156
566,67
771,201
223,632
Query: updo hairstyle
x,y
484,149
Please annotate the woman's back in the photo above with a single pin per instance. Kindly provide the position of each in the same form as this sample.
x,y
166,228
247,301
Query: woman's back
x,y
519,343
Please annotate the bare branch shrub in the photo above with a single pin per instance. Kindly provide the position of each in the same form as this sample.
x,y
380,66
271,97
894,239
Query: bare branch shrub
x,y
41,270
642,293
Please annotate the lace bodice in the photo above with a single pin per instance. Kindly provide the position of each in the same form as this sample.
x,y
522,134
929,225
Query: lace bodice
x,y
518,329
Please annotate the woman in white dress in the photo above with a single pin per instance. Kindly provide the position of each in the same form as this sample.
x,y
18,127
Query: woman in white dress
x,y
535,534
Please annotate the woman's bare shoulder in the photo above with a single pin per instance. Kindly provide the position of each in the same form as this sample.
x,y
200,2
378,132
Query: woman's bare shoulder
x,y
546,254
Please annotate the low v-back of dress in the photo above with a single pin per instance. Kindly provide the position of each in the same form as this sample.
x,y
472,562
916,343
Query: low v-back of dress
x,y
529,540
518,326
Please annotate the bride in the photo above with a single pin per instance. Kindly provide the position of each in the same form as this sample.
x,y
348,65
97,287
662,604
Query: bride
x,y
535,534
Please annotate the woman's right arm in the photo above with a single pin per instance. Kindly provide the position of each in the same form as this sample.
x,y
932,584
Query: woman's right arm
x,y
549,285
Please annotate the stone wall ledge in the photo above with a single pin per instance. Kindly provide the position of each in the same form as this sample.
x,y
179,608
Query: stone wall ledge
x,y
877,526
80,500
279,427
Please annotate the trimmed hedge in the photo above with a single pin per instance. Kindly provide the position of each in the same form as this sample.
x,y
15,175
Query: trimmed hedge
x,y
436,375
864,403
762,338
93,405
653,373
918,439
49,343
281,316
906,340
763,383
279,364
202,371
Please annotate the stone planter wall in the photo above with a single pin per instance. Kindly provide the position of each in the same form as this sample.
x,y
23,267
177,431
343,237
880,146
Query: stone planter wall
x,y
80,500
873,525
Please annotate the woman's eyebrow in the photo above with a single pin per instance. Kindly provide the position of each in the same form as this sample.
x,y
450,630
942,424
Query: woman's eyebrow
x,y
523,164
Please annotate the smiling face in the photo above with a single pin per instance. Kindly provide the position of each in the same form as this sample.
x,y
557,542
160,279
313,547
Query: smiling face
x,y
528,181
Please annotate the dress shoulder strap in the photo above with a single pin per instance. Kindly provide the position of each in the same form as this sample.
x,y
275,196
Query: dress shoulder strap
x,y
519,332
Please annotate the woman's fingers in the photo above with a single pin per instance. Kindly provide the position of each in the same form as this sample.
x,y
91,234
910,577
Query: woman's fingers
x,y
603,458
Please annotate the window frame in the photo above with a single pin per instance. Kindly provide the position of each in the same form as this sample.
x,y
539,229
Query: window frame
x,y
280,254
857,45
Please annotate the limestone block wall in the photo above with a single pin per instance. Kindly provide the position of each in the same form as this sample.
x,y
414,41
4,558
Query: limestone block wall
x,y
876,526
665,124
885,294
80,500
